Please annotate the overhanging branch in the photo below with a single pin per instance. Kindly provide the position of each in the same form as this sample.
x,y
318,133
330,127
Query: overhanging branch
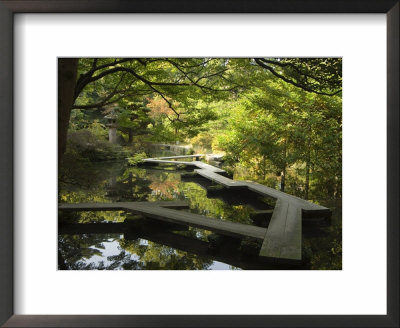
x,y
261,63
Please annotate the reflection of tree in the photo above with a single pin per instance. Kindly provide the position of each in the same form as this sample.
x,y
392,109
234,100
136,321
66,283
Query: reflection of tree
x,y
167,185
123,261
73,249
151,248
212,207
155,256
324,243
131,185
99,182
86,182
152,244
86,175
164,189
76,249
164,185
110,183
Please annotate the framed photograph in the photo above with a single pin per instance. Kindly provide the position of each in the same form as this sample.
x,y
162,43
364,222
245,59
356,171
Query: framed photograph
x,y
167,164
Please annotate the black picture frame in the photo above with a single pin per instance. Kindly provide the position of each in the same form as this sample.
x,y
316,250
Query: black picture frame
x,y
10,7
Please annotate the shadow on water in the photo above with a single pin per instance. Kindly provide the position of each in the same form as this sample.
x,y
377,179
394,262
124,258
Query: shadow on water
x,y
117,240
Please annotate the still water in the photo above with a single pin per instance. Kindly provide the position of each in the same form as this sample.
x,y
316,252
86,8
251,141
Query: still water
x,y
176,248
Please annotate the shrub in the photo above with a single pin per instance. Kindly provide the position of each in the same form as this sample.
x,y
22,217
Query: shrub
x,y
83,144
137,158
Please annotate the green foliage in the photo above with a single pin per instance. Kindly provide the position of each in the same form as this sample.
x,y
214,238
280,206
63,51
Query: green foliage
x,y
162,132
268,115
203,141
132,118
316,75
84,144
137,158
97,129
325,243
278,121
290,133
109,182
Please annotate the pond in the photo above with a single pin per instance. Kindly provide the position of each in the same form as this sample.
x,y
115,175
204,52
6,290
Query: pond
x,y
172,247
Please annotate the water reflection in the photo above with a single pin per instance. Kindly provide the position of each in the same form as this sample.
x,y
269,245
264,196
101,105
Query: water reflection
x,y
117,240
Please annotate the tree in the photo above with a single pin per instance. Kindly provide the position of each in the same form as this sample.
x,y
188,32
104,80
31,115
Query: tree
x,y
133,118
122,78
277,128
67,69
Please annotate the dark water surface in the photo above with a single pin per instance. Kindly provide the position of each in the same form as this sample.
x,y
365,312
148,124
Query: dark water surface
x,y
169,249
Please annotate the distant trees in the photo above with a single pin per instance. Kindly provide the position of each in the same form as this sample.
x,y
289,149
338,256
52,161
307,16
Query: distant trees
x,y
132,118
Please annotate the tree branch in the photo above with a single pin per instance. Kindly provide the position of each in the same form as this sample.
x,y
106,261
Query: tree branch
x,y
296,84
85,79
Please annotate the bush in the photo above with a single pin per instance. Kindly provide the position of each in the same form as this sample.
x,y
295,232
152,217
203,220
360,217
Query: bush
x,y
203,141
83,144
137,158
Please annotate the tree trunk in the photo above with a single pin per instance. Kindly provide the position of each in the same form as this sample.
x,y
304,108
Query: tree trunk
x,y
67,71
264,168
283,174
130,136
283,178
307,175
308,163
